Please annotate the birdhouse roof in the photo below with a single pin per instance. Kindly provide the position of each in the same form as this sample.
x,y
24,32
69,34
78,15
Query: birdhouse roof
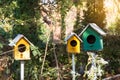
x,y
72,34
17,38
95,27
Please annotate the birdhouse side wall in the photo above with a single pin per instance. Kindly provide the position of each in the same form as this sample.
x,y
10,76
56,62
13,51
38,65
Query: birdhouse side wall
x,y
22,55
97,46
75,49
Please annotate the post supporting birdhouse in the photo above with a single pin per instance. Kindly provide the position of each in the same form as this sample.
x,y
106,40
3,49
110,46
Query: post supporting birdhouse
x,y
73,67
73,46
22,70
95,64
21,47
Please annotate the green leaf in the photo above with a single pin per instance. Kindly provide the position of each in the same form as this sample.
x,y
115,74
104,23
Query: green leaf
x,y
35,51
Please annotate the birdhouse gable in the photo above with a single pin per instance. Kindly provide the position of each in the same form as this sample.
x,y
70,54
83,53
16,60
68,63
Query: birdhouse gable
x,y
73,43
21,47
17,39
71,35
94,27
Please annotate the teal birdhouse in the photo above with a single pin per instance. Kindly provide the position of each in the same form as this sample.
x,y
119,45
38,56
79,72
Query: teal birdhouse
x,y
92,37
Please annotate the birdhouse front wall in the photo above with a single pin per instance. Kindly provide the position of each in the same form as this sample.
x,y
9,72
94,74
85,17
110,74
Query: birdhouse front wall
x,y
73,49
22,50
92,40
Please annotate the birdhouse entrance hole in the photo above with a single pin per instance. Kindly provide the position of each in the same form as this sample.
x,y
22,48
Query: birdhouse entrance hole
x,y
91,39
21,48
73,43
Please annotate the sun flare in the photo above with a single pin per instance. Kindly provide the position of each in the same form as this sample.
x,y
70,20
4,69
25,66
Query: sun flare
x,y
111,9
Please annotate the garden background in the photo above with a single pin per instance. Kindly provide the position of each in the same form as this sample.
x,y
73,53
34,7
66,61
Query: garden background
x,y
46,24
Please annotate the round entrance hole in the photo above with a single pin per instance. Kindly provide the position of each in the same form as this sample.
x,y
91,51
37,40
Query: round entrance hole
x,y
21,48
73,43
91,39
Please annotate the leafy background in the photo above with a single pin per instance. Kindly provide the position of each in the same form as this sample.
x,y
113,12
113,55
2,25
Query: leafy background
x,y
35,20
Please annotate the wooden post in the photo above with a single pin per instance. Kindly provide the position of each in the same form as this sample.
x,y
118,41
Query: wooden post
x,y
73,66
21,70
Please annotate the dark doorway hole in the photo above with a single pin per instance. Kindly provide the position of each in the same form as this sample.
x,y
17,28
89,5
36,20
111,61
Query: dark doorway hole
x,y
91,39
21,48
73,43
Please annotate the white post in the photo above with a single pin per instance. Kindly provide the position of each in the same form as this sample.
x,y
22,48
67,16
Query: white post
x,y
73,66
21,70
93,70
94,65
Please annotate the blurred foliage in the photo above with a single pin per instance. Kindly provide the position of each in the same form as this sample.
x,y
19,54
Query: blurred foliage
x,y
111,53
24,17
114,28
65,5
95,13
1,46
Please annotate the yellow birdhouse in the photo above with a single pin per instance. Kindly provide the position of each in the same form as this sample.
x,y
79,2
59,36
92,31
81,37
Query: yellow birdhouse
x,y
21,47
73,43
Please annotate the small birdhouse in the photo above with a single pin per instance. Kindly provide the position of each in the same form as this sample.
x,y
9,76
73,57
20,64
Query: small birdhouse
x,y
92,37
73,43
21,47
